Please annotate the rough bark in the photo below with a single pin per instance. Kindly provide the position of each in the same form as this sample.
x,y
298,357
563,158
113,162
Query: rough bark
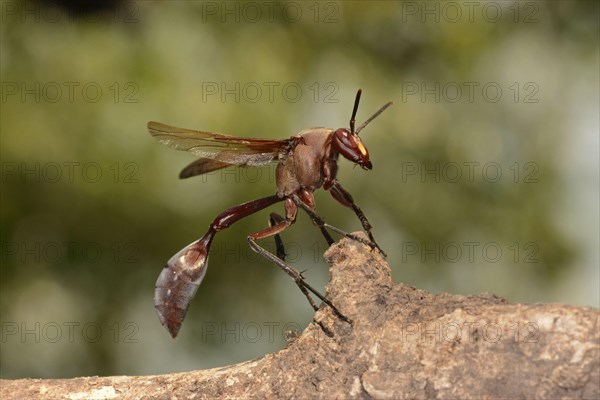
x,y
405,343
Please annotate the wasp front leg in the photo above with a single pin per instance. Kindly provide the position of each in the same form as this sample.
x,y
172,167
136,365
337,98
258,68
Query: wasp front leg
x,y
345,198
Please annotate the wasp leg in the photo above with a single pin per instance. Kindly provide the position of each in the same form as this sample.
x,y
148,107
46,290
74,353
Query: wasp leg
x,y
345,198
275,219
291,212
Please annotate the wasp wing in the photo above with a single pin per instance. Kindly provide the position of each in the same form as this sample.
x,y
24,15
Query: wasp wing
x,y
217,150
202,166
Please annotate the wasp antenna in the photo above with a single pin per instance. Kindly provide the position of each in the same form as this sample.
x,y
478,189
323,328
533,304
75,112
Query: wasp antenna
x,y
352,119
382,109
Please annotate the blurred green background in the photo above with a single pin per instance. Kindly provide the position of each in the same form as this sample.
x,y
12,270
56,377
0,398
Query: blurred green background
x,y
485,173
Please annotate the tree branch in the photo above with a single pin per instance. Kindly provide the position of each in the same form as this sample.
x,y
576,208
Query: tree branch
x,y
404,343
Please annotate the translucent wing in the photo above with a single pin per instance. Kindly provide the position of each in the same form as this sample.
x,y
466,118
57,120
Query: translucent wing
x,y
223,149
202,166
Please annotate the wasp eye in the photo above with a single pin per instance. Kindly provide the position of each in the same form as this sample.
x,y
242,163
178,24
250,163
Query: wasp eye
x,y
345,138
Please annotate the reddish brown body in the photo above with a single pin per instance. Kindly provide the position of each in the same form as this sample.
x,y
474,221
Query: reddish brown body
x,y
311,162
306,162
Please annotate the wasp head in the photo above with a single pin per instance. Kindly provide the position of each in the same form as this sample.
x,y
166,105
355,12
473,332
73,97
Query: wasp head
x,y
351,147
